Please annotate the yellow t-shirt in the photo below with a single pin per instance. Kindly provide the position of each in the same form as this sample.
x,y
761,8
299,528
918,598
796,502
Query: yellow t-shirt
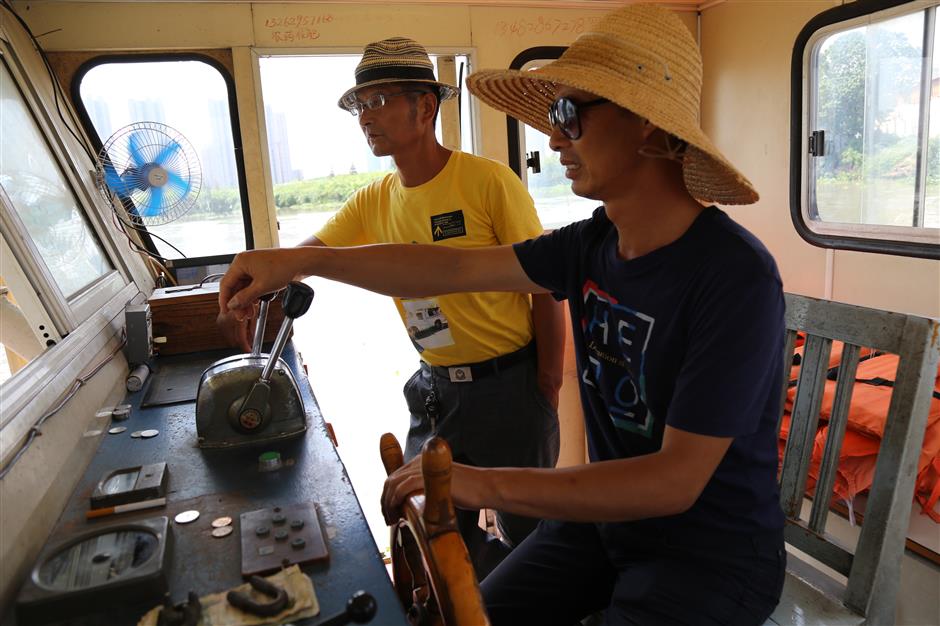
x,y
473,202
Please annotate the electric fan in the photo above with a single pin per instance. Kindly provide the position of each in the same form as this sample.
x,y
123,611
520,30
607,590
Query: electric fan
x,y
153,170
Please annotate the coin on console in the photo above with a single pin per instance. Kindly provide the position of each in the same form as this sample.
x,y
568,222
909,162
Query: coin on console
x,y
222,531
219,522
186,517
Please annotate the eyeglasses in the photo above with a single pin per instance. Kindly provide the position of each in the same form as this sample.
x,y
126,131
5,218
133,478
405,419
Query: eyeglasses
x,y
563,114
376,101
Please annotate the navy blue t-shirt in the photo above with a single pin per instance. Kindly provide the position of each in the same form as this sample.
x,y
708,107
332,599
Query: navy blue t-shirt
x,y
689,335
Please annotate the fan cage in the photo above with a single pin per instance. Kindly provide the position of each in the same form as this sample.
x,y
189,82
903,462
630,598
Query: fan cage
x,y
130,164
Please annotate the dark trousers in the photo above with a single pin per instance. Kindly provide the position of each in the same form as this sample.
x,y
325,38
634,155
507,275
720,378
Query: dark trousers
x,y
564,572
500,420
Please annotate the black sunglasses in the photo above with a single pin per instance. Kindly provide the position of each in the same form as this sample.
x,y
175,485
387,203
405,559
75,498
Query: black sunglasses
x,y
563,114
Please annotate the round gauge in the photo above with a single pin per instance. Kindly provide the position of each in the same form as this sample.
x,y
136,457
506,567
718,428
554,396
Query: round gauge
x,y
97,560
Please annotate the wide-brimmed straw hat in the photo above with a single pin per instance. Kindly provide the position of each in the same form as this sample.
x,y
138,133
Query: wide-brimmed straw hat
x,y
643,58
395,60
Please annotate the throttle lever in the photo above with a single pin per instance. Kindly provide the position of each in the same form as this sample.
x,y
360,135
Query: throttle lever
x,y
252,414
261,322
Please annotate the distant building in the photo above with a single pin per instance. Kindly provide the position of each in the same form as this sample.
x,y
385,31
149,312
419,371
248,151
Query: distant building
x,y
279,147
146,111
218,158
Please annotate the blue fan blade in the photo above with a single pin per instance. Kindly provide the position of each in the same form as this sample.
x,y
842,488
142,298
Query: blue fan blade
x,y
168,151
112,179
176,181
135,151
155,205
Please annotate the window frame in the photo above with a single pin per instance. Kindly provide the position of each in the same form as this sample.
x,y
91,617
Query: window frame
x,y
98,142
90,322
64,314
514,132
882,239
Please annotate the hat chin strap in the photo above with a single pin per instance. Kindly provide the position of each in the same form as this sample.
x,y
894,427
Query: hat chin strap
x,y
674,150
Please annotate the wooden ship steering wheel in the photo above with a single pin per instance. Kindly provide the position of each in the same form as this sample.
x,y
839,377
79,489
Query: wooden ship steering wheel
x,y
431,569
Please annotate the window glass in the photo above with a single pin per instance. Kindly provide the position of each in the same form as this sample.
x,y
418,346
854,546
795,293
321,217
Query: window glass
x,y
869,105
42,197
318,154
550,189
192,98
872,145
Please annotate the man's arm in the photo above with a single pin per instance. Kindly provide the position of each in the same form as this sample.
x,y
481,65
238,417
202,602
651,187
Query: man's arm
x,y
548,318
403,270
239,332
667,482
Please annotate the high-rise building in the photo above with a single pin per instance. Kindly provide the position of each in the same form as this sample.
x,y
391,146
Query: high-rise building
x,y
218,158
279,147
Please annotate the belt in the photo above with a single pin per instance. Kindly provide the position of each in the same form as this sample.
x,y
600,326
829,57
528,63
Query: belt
x,y
475,371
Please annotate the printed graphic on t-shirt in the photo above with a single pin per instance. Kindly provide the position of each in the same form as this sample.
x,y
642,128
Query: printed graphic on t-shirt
x,y
448,225
426,324
616,338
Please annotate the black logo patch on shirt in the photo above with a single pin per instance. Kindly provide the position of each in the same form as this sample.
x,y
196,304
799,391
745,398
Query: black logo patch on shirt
x,y
448,225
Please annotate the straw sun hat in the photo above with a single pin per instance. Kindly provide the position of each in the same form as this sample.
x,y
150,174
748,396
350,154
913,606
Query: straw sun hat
x,y
643,58
395,60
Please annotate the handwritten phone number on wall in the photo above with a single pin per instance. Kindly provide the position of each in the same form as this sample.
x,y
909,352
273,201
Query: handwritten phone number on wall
x,y
543,26
297,20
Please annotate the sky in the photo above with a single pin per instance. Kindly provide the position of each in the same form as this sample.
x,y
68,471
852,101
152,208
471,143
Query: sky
x,y
323,138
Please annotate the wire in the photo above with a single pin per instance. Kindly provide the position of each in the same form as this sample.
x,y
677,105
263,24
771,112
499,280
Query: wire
x,y
56,87
165,271
56,93
212,277
77,384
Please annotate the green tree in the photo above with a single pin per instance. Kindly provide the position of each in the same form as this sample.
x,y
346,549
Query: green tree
x,y
893,66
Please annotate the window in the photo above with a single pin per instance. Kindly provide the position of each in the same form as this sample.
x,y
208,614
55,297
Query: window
x,y
318,158
317,152
866,129
538,165
193,96
43,201
59,271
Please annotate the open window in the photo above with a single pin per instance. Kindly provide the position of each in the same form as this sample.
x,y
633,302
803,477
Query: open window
x,y
537,164
191,95
318,156
865,129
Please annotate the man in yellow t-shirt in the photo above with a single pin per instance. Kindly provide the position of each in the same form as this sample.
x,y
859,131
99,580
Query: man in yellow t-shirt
x,y
490,362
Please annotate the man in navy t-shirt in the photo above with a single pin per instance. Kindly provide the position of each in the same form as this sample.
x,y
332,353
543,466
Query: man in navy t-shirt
x,y
677,315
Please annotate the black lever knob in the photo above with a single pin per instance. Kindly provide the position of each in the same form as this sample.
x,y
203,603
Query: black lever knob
x,y
360,609
297,299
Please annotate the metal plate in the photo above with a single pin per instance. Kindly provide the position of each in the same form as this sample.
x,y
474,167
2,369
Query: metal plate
x,y
176,381
267,552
